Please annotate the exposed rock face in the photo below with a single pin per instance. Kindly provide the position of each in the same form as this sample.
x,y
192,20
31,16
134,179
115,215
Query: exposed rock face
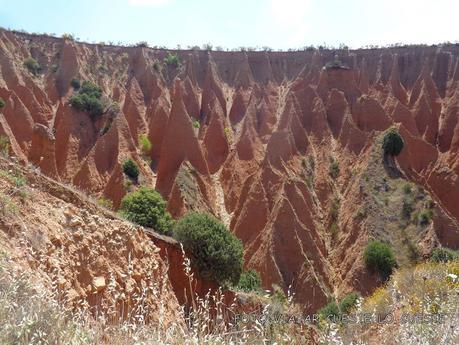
x,y
250,137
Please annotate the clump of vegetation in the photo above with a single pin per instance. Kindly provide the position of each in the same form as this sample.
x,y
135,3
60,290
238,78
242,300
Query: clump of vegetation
x,y
32,65
142,44
380,258
54,68
250,281
196,124
330,310
392,142
217,253
444,255
75,83
4,145
146,207
334,309
131,169
88,99
2,103
425,217
333,168
335,64
145,145
157,66
407,188
349,302
172,60
105,203
407,207
68,37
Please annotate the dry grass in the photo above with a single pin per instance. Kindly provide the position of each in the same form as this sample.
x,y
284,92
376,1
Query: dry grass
x,y
428,292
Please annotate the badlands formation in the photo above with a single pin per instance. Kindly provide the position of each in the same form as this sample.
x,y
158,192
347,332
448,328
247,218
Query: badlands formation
x,y
285,152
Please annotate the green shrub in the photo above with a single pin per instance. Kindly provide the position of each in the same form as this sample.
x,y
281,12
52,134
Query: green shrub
x,y
131,169
142,44
4,145
425,217
407,188
348,302
172,60
146,207
249,281
88,99
67,36
32,65
217,253
196,124
2,103
91,89
330,310
379,257
75,83
407,207
145,144
444,255
54,68
392,142
333,168
106,203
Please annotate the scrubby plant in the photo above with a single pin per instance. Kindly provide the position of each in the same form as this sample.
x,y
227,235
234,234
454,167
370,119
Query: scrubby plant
x,y
331,310
54,68
348,302
217,253
142,44
145,145
2,103
67,36
131,169
88,99
425,217
380,258
32,65
407,207
333,168
407,188
444,255
172,60
196,124
392,142
75,83
146,207
4,145
249,281
91,89
106,203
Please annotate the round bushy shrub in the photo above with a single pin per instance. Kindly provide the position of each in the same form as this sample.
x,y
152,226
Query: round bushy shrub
x,y
217,253
392,142
249,281
146,207
131,169
2,103
379,257
88,99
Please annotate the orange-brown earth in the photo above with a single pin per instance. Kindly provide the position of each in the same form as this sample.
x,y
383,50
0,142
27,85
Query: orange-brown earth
x,y
270,123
